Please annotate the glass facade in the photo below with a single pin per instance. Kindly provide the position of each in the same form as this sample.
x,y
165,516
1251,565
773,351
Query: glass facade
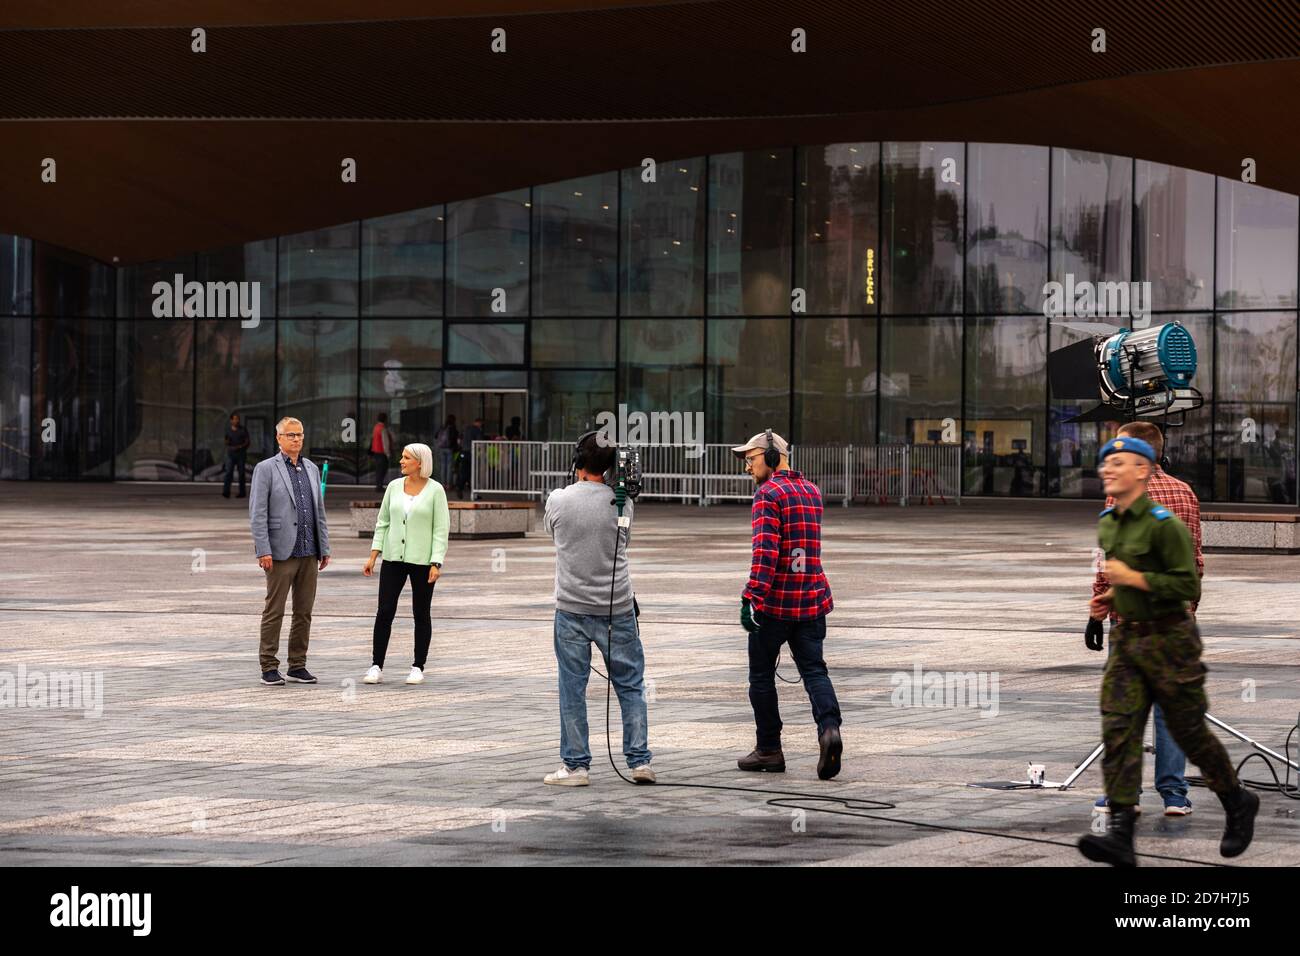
x,y
843,293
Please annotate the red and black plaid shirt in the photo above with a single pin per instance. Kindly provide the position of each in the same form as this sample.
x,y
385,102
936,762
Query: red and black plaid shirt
x,y
1176,495
786,580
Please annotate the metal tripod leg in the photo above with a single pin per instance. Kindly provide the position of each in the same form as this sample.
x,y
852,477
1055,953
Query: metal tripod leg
x,y
1087,762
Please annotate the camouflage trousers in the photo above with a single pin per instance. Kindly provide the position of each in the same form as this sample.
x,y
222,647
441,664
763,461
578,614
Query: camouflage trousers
x,y
1160,663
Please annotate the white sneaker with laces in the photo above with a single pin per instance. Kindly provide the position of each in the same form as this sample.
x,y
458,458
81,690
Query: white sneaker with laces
x,y
416,676
373,676
564,777
643,774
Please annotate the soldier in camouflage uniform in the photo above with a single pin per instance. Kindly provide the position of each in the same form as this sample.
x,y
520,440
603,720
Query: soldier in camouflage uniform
x,y
1155,655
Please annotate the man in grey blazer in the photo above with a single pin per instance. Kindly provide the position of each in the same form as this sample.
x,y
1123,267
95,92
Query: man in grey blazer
x,y
286,512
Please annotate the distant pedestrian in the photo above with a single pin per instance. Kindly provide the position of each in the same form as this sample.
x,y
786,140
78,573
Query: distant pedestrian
x,y
380,449
237,442
514,432
446,442
472,434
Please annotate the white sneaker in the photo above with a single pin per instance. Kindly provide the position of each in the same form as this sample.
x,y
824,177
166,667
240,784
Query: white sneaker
x,y
373,676
416,676
643,774
564,777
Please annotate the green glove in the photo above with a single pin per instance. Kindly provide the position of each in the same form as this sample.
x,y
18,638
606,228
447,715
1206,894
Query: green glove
x,y
747,617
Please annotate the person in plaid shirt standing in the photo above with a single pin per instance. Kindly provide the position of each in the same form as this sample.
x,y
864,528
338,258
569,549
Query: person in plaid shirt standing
x,y
1178,497
786,601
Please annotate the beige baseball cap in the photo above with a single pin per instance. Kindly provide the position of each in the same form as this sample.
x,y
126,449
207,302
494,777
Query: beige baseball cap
x,y
759,443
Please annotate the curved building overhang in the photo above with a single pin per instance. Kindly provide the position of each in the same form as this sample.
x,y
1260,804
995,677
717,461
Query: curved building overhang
x,y
161,150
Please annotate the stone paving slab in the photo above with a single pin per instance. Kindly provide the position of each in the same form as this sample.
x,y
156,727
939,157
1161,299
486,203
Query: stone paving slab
x,y
190,761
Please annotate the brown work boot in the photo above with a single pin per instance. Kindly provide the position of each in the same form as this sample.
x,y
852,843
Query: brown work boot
x,y
772,761
1116,846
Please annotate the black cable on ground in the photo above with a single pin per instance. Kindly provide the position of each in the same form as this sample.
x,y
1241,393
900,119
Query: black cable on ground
x,y
1284,786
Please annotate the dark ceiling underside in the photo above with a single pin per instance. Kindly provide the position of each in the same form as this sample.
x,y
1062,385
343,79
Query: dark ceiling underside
x,y
161,150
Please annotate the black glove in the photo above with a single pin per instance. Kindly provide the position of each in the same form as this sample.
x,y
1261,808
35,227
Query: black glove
x,y
636,608
747,617
1092,637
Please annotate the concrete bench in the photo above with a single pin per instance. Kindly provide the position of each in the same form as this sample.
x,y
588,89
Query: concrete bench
x,y
1245,533
469,519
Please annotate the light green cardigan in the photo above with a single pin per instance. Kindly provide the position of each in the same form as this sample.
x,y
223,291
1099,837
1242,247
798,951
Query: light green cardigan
x,y
420,539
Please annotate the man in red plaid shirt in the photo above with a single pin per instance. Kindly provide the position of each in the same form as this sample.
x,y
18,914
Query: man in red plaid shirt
x,y
786,602
1178,497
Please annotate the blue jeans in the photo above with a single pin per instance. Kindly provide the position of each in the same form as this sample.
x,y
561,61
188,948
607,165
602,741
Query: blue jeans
x,y
805,641
574,635
444,467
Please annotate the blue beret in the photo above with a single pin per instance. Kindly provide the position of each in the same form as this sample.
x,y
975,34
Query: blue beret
x,y
1127,443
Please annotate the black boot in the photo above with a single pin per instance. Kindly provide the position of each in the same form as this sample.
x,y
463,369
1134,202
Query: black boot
x,y
1116,846
1240,806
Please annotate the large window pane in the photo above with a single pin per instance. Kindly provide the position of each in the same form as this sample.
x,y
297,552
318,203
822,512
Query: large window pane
x,y
564,404
485,344
250,262
15,275
750,205
72,394
236,374
662,272
575,246
401,263
661,365
15,398
1092,220
1174,232
318,384
135,287
394,343
922,223
835,381
487,249
836,257
155,401
318,272
920,378
1256,247
1006,251
70,284
1006,388
748,378
412,401
1255,436
573,344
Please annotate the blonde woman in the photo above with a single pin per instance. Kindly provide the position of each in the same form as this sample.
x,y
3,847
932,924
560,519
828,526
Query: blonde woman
x,y
411,536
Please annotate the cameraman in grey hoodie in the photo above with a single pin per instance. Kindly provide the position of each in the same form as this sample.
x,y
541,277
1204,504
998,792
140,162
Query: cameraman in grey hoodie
x,y
590,555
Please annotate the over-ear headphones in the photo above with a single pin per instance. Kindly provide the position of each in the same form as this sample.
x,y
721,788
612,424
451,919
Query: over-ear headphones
x,y
771,456
580,456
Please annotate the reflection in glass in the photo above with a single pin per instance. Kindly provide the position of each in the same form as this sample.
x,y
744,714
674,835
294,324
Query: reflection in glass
x,y
15,398
1256,247
15,275
1006,251
748,381
920,380
1092,203
70,284
835,381
401,263
387,343
836,259
135,287
317,360
750,204
575,246
236,374
411,399
155,400
318,272
661,365
1174,233
662,272
922,222
250,262
475,344
487,249
1255,417
559,343
564,404
1006,379
72,384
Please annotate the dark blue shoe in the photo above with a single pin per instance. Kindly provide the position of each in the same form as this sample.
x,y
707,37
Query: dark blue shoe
x,y
300,675
272,679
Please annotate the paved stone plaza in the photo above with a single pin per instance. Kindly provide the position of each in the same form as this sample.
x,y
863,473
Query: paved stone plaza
x,y
194,762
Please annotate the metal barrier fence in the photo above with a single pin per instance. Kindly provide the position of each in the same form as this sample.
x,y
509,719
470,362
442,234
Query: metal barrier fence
x,y
864,474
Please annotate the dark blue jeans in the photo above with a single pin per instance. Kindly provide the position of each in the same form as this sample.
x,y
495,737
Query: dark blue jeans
x,y
804,639
234,460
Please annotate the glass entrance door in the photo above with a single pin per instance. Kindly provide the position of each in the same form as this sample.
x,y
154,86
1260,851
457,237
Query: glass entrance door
x,y
504,412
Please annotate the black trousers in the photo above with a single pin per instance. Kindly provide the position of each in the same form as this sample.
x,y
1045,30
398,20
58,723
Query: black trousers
x,y
380,461
805,639
392,578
